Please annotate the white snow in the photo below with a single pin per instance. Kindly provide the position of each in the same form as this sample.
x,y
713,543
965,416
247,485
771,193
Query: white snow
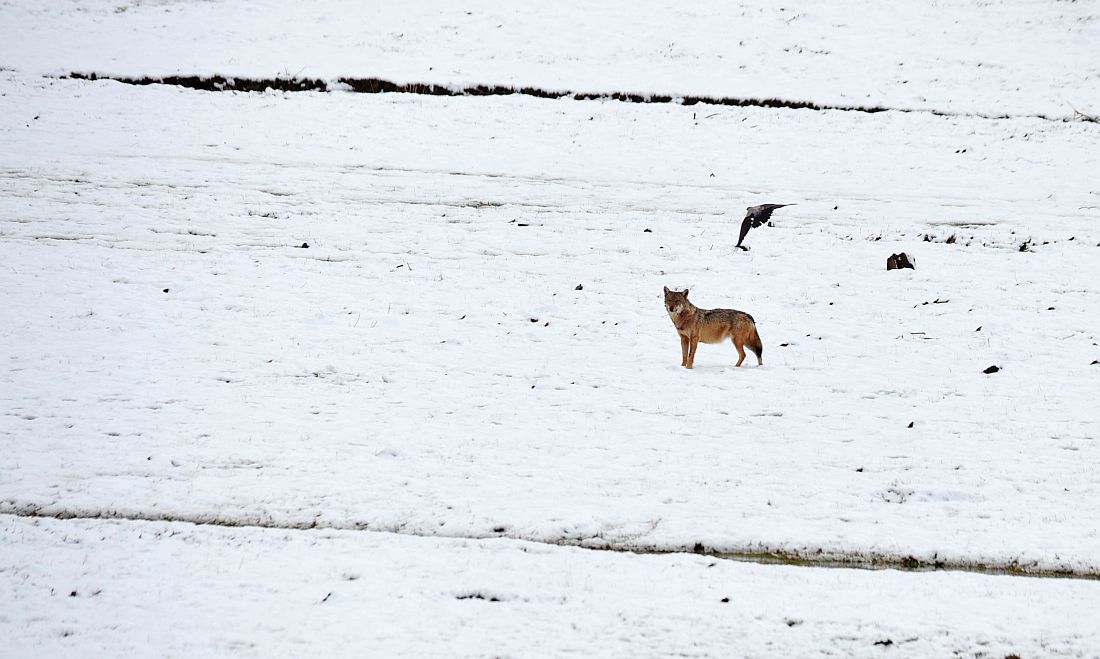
x,y
427,367
1014,57
206,591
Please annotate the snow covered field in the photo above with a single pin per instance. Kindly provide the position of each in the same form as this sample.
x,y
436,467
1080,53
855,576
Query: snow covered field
x,y
441,316
966,56
188,591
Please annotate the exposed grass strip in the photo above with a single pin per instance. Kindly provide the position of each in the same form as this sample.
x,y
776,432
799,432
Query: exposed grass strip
x,y
219,83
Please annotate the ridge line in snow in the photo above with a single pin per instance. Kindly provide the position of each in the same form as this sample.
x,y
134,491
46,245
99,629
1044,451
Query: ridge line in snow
x,y
761,554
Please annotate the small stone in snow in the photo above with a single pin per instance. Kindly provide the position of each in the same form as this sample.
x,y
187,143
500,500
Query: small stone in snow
x,y
580,287
899,261
991,369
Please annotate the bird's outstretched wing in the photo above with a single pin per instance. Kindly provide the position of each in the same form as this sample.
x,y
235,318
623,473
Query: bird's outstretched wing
x,y
756,216
762,213
746,224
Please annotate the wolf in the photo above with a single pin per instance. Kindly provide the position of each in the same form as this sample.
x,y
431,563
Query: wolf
x,y
711,326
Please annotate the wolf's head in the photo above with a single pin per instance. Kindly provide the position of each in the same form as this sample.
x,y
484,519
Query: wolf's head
x,y
675,301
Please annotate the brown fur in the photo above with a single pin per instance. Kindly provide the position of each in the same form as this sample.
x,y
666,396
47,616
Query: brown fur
x,y
695,325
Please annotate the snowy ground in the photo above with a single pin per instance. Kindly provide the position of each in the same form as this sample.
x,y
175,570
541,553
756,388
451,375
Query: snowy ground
x,y
966,56
428,366
199,591
391,376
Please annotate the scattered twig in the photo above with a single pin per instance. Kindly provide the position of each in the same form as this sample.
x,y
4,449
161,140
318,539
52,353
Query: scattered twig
x,y
1077,114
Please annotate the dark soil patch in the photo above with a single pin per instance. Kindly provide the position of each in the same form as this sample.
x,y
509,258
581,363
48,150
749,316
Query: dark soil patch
x,y
477,596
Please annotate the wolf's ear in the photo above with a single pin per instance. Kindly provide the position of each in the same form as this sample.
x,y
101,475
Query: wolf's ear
x,y
666,290
685,292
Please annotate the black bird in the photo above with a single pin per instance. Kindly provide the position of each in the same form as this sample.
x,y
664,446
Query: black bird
x,y
754,217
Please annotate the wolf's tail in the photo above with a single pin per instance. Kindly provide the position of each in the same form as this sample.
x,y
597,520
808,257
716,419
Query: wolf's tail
x,y
755,344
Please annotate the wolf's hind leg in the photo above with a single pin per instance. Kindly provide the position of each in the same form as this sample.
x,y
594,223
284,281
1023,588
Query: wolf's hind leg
x,y
740,350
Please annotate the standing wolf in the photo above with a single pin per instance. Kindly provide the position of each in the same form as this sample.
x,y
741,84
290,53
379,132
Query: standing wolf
x,y
711,326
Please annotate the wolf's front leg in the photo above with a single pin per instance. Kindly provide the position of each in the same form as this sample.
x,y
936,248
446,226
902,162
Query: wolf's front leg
x,y
694,343
683,350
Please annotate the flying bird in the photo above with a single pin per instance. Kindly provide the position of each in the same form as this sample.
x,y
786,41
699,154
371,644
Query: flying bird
x,y
754,217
